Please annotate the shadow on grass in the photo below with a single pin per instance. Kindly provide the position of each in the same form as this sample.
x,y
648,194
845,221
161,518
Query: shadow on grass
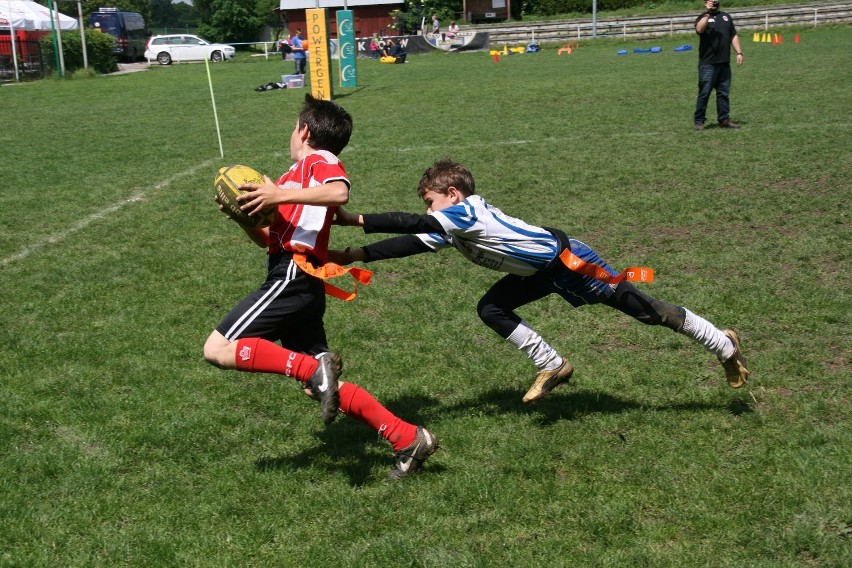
x,y
356,450
565,404
353,448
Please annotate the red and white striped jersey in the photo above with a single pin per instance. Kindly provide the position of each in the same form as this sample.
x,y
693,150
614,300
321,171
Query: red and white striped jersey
x,y
305,228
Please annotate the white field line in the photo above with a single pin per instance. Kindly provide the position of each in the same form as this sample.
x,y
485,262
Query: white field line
x,y
475,145
100,214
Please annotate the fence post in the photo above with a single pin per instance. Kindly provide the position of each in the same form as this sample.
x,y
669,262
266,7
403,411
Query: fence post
x,y
815,16
766,21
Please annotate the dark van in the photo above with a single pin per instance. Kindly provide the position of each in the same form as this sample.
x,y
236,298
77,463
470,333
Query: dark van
x,y
127,27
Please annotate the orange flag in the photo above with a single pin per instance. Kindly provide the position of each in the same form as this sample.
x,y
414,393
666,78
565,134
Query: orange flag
x,y
580,266
332,270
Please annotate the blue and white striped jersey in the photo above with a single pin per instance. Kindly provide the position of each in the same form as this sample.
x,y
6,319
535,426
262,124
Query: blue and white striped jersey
x,y
488,237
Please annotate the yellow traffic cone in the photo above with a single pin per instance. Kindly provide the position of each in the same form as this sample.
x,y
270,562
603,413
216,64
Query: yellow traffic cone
x,y
756,37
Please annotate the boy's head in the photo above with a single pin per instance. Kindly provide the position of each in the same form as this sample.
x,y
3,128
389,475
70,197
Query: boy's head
x,y
444,174
444,184
329,126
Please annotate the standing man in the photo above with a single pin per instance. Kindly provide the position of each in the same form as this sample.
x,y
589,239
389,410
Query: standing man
x,y
717,32
300,57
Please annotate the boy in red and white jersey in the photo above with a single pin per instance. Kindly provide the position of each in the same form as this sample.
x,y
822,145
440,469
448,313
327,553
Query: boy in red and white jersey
x,y
289,306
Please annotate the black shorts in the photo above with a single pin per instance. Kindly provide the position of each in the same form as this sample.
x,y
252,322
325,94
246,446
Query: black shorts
x,y
288,307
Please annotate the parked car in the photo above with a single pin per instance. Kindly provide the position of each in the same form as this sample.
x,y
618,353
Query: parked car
x,y
182,47
127,27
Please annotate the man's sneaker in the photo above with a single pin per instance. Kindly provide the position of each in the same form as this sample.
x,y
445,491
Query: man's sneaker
x,y
728,124
735,366
546,381
699,126
410,458
323,383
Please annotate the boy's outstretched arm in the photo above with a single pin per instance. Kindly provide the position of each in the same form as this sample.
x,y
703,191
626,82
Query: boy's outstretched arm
x,y
406,223
396,247
403,223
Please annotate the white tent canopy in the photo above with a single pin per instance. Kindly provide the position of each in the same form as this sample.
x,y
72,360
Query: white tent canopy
x,y
26,15
31,16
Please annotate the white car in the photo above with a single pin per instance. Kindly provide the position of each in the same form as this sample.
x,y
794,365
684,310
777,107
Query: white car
x,y
182,47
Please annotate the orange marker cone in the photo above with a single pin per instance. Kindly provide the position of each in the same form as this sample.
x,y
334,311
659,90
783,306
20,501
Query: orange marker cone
x,y
780,38
496,58
796,39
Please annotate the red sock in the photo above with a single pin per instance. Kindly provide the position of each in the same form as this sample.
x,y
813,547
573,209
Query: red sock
x,y
360,405
257,355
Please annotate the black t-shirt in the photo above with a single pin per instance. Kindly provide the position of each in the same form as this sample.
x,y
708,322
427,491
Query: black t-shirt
x,y
715,44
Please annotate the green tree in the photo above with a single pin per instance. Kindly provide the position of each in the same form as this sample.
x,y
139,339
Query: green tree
x,y
186,15
166,14
266,12
162,14
230,20
409,17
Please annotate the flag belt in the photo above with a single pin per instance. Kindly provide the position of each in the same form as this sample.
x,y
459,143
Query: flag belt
x,y
580,266
331,270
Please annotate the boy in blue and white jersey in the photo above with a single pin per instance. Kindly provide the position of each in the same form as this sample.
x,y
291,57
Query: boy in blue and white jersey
x,y
457,217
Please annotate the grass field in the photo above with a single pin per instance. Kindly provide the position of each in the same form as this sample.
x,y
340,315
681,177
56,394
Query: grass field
x,y
120,446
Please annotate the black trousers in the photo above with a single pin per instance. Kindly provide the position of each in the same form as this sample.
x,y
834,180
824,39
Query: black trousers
x,y
497,307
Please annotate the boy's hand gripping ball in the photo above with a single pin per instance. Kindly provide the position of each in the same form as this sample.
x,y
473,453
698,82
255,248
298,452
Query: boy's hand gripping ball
x,y
227,185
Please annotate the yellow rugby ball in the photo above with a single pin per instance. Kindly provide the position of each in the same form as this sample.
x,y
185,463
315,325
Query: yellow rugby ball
x,y
227,185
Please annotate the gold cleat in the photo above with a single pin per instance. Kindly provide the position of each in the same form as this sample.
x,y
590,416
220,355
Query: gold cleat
x,y
546,381
735,366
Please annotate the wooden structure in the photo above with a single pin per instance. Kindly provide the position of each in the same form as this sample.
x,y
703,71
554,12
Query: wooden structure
x,y
483,11
371,16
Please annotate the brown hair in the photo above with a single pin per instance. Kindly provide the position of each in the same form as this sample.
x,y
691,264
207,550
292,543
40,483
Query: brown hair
x,y
329,125
445,173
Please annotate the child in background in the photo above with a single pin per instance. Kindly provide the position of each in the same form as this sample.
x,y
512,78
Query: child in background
x,y
453,29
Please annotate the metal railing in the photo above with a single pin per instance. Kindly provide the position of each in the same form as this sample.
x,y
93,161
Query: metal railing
x,y
30,64
762,18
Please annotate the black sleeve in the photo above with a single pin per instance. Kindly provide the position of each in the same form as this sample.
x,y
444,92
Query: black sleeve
x,y
401,223
396,247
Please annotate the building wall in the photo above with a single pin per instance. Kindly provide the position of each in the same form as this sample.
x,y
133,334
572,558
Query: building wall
x,y
369,20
